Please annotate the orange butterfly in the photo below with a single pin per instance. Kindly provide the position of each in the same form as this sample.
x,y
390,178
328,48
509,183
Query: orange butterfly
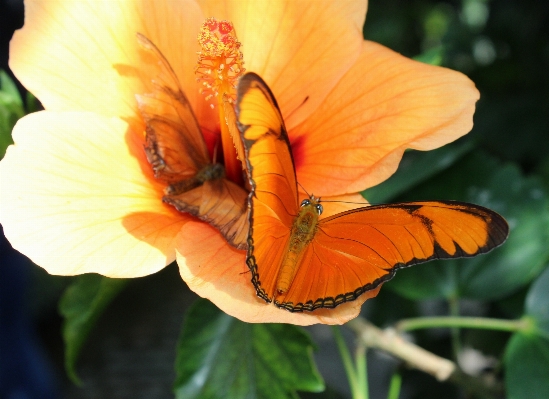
x,y
176,150
302,262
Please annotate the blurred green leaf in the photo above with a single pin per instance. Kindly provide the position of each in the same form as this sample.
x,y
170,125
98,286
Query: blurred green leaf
x,y
81,305
222,357
543,171
32,102
537,303
8,88
503,115
432,56
527,367
527,353
328,393
512,306
11,109
482,180
415,168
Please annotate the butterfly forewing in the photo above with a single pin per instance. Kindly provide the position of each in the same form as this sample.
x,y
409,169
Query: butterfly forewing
x,y
266,142
175,146
274,197
357,250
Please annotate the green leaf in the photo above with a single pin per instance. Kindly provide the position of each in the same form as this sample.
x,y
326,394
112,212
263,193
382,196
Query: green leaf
x,y
9,88
11,110
432,56
543,171
81,305
537,303
222,357
6,126
527,367
415,168
480,179
33,104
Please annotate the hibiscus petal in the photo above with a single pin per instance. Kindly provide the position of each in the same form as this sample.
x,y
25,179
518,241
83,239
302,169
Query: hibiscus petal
x,y
83,55
300,48
218,272
78,196
383,105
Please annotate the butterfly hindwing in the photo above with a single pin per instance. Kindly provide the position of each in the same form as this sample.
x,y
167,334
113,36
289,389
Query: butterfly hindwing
x,y
220,203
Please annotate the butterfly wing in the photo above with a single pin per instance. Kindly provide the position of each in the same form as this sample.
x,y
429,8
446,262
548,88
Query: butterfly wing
x,y
178,154
351,252
220,203
273,199
356,251
175,146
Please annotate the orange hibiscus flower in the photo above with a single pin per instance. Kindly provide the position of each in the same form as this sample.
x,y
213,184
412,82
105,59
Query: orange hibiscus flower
x,y
78,194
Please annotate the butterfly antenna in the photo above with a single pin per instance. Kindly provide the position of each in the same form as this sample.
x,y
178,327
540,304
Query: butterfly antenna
x,y
349,202
306,192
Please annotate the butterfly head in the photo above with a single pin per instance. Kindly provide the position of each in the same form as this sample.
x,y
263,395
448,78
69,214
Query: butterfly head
x,y
314,203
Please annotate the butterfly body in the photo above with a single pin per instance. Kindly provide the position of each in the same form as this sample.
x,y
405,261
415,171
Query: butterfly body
x,y
302,233
208,172
301,261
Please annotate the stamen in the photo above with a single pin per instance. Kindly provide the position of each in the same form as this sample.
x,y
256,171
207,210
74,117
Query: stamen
x,y
220,64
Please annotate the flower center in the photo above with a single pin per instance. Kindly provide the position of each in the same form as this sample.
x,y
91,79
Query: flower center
x,y
220,64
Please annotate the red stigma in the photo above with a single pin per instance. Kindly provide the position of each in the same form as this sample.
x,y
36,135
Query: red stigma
x,y
225,27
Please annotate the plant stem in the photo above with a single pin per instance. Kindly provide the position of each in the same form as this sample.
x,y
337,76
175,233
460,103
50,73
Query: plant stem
x,y
462,322
347,361
362,370
394,388
456,341
414,356
390,342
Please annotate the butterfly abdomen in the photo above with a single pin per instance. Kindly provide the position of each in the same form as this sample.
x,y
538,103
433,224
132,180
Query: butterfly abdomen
x,y
208,172
303,231
182,186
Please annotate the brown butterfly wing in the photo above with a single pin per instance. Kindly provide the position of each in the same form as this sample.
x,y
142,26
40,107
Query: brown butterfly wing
x,y
273,199
178,154
220,203
175,146
355,251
